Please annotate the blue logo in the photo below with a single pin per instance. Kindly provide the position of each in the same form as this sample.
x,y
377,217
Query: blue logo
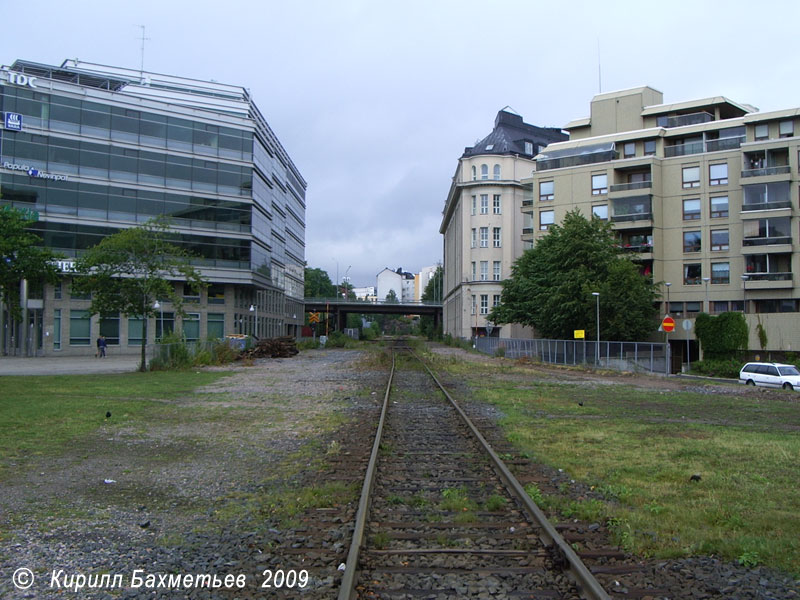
x,y
13,121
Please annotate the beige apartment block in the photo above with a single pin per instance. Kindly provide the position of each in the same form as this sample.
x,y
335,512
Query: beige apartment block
x,y
703,194
482,222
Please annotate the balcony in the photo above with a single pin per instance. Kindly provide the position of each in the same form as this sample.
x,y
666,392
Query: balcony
x,y
632,208
683,120
768,277
699,147
767,241
625,187
527,231
782,170
774,205
527,202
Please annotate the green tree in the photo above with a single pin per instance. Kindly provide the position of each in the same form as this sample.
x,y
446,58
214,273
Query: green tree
x,y
21,257
723,336
127,271
391,297
432,293
551,285
318,284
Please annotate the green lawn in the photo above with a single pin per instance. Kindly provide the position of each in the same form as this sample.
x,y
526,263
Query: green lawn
x,y
40,416
640,447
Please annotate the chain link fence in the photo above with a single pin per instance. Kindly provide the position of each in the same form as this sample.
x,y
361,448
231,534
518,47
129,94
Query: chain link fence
x,y
640,357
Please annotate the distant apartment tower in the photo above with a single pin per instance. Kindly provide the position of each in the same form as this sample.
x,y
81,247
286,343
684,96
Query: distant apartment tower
x,y
398,281
422,279
482,223
703,194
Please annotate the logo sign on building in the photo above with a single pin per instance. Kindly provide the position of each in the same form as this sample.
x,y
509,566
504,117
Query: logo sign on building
x,y
13,121
18,78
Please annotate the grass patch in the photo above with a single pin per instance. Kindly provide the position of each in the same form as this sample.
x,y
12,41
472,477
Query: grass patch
x,y
639,449
42,415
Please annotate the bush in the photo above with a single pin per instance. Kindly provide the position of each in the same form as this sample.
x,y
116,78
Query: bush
x,y
720,367
500,351
723,336
308,344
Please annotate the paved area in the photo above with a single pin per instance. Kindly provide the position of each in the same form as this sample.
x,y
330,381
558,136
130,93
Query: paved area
x,y
67,365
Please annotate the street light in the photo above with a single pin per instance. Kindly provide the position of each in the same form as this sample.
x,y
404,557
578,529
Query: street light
x,y
667,284
744,293
597,349
666,333
157,305
708,306
254,309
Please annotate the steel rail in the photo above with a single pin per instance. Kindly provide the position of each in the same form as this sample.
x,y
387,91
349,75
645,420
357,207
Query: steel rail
x,y
583,579
348,585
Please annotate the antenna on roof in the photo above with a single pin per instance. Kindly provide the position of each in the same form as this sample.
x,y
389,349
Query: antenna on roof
x,y
599,74
141,66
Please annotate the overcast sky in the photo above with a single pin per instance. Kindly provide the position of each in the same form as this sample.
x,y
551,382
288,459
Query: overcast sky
x,y
375,101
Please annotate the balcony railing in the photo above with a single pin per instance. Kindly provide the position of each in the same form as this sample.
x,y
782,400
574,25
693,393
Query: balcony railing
x,y
637,185
527,230
730,143
636,247
683,120
644,216
767,241
775,204
769,276
766,171
528,202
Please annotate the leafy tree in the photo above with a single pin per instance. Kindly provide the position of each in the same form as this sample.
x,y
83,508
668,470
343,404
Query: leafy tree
x,y
318,284
127,271
21,257
391,297
432,293
551,285
724,336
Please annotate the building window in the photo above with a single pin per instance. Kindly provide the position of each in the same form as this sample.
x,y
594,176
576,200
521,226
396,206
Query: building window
x,y
693,308
474,174
546,191
718,174
109,328
191,327
484,237
496,274
546,218
165,324
216,325
719,207
629,150
600,211
691,177
691,209
473,304
79,328
484,270
484,172
57,329
135,331
473,238
529,148
474,206
719,239
720,272
496,300
649,147
719,306
484,204
599,184
57,290
216,294
692,274
474,272
190,294
497,241
762,132
496,204
691,241
496,172
786,129
484,304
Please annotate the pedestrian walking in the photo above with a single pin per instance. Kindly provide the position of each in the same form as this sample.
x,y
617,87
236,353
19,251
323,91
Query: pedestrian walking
x,y
101,347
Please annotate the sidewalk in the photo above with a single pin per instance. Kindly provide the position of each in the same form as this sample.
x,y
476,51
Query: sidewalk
x,y
68,365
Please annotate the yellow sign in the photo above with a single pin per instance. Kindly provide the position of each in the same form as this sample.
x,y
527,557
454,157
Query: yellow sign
x,y
313,317
580,334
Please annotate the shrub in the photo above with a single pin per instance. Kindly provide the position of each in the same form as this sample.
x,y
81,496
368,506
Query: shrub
x,y
723,336
720,367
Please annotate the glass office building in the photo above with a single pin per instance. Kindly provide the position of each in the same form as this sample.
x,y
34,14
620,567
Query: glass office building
x,y
93,149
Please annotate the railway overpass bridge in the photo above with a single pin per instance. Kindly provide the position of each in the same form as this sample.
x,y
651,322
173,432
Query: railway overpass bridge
x,y
339,308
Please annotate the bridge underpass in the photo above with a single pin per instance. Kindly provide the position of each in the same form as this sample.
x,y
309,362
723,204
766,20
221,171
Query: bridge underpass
x,y
338,309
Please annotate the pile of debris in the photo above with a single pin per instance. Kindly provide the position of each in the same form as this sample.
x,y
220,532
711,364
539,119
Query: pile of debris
x,y
282,347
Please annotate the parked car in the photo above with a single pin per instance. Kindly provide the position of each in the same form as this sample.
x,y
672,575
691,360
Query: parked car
x,y
770,375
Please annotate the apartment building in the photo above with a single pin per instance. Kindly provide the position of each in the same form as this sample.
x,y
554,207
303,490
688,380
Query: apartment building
x,y
482,222
92,149
703,194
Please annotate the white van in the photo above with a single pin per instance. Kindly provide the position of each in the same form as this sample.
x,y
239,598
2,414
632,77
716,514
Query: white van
x,y
770,375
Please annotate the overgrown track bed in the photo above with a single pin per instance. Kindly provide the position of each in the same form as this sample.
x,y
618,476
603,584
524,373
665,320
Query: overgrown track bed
x,y
442,522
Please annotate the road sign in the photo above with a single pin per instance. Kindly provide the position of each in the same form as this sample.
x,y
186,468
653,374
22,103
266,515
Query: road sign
x,y
686,324
579,334
668,324
313,317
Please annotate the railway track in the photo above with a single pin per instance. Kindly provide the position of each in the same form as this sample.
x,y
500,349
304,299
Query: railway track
x,y
441,516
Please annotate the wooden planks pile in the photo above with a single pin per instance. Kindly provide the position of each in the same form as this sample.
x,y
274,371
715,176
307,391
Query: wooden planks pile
x,y
281,347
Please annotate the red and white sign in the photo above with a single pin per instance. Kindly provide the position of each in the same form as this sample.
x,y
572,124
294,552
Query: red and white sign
x,y
668,324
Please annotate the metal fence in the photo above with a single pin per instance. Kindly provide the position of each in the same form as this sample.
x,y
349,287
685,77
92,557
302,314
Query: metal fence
x,y
620,356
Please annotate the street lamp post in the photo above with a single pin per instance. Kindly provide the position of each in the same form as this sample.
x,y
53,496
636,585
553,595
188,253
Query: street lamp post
x,y
254,310
158,305
667,284
597,348
708,305
744,293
